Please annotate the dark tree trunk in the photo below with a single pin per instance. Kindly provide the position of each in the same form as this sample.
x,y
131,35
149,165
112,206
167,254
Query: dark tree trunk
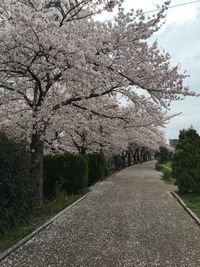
x,y
133,153
37,152
142,154
123,161
123,156
83,151
116,162
137,155
129,158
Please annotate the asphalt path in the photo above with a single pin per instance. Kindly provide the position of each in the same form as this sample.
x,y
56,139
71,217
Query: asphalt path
x,y
130,219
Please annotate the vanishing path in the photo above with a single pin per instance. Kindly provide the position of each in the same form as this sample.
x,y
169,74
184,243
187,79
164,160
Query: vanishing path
x,y
128,220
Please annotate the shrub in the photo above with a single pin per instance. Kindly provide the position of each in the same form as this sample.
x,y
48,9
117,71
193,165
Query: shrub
x,y
164,154
186,162
67,172
109,168
53,165
158,166
166,174
16,198
118,162
76,179
96,167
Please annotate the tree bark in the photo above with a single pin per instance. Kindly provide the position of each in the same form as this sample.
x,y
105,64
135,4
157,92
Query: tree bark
x,y
123,156
123,161
83,150
137,155
37,153
116,162
129,159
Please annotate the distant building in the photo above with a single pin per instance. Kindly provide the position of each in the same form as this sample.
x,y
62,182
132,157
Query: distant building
x,y
173,142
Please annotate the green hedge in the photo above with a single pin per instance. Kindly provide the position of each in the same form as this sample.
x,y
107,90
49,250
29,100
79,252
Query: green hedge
x,y
186,169
16,199
186,162
158,166
67,172
164,154
96,167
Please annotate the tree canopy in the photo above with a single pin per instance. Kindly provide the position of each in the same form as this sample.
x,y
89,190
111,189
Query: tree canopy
x,y
62,73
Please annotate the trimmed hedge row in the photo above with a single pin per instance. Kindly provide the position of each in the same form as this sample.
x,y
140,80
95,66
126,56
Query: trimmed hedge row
x,y
16,197
72,173
67,172
96,167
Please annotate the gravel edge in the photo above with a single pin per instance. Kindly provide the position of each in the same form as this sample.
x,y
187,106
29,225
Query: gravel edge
x,y
188,210
20,243
6,253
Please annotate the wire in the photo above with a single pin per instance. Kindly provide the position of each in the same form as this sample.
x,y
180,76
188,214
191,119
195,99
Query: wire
x,y
183,4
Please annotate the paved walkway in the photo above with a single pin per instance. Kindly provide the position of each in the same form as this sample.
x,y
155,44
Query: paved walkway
x,y
128,220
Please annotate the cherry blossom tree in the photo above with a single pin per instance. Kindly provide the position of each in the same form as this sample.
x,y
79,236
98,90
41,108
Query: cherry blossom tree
x,y
54,56
116,131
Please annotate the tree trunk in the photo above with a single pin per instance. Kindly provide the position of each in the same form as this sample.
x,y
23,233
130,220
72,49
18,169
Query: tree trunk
x,y
133,153
129,159
123,156
37,152
142,152
115,162
137,155
83,151
123,161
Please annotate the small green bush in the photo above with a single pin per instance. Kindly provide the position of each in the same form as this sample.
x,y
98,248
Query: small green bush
x,y
158,166
66,172
96,167
16,197
118,162
164,154
166,174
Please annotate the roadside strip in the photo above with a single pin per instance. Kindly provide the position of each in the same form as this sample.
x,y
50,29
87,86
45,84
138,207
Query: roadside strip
x,y
191,213
39,229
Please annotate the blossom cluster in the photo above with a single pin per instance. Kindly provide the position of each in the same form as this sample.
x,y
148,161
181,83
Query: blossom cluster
x,y
62,73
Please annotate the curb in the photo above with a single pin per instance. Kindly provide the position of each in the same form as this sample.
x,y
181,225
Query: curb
x,y
188,210
39,229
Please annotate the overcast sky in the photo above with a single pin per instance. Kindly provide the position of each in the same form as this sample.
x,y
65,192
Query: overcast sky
x,y
180,36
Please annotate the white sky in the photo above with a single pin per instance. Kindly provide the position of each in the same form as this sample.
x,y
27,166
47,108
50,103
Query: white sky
x,y
180,36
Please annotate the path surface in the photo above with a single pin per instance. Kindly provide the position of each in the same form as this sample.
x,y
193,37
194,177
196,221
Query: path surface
x,y
128,220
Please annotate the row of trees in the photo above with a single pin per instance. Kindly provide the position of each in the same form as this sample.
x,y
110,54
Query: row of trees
x,y
63,75
64,174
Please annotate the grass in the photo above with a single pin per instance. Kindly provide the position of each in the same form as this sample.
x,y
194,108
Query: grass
x,y
47,211
168,180
192,201
167,176
167,165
